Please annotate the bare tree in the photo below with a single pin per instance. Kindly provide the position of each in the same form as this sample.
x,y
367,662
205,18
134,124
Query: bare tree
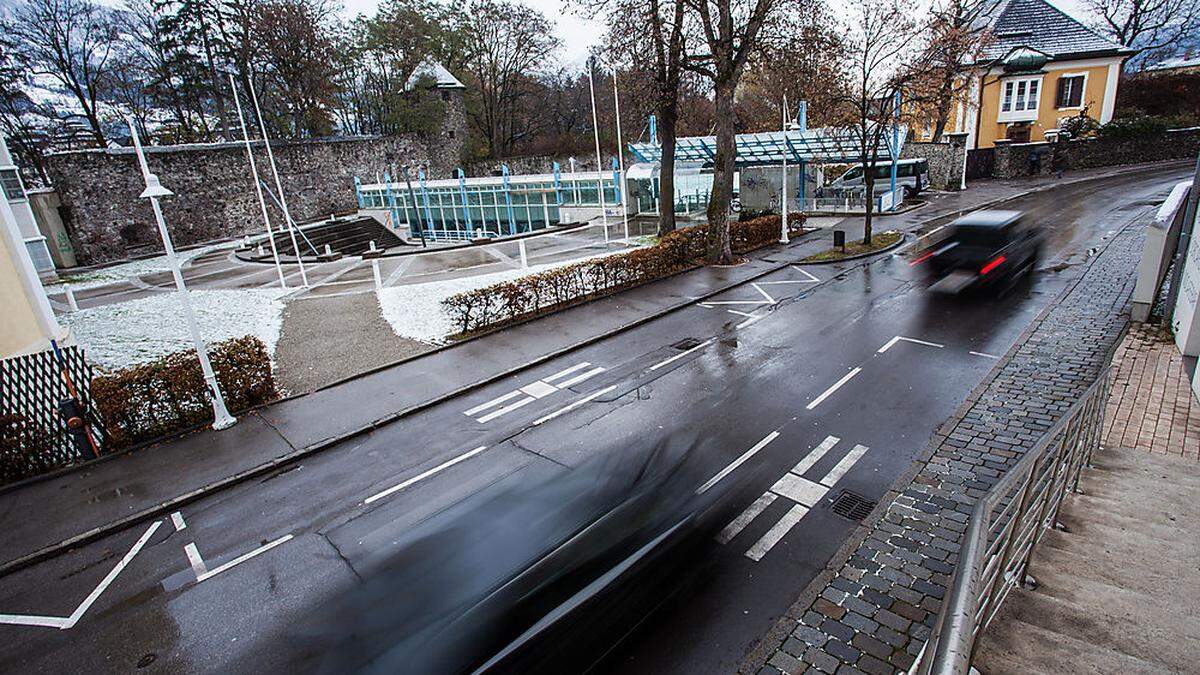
x,y
299,57
957,37
507,44
881,61
70,41
1154,26
730,31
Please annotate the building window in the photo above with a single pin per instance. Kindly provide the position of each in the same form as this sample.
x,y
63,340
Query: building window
x,y
1020,95
11,181
1070,91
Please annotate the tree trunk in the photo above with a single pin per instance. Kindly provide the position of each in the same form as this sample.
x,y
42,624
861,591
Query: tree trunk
x,y
869,182
668,114
945,99
719,251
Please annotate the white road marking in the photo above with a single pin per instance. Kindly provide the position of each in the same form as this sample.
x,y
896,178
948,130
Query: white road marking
x,y
422,476
735,526
734,311
799,490
680,355
836,385
738,462
63,623
244,557
582,377
891,343
177,520
986,356
764,293
568,371
710,303
392,278
576,404
197,563
806,273
777,532
835,474
539,389
496,401
816,455
751,320
506,409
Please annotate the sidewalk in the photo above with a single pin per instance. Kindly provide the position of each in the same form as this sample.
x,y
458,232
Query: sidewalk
x,y
873,607
1152,407
42,517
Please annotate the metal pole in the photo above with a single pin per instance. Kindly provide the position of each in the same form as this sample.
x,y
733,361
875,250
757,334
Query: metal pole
x,y
620,154
262,202
221,417
895,149
278,184
412,197
783,206
599,164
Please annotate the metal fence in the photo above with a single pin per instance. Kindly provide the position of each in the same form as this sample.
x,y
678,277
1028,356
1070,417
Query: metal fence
x,y
1005,527
34,435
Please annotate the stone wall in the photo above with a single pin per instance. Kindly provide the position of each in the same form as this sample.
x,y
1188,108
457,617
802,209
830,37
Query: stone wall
x,y
1024,159
946,160
214,197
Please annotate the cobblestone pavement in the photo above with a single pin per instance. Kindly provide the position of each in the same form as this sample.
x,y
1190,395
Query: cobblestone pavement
x,y
1152,406
872,610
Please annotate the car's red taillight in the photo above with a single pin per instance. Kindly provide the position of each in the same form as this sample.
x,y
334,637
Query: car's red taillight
x,y
921,259
993,264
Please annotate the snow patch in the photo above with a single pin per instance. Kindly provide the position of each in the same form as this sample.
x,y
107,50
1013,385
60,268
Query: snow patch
x,y
130,270
127,333
415,311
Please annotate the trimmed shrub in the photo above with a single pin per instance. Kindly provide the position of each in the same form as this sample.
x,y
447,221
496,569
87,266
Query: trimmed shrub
x,y
509,302
26,449
169,395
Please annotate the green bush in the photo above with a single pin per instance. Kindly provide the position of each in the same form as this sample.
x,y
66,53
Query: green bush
x,y
509,302
169,395
26,449
1134,126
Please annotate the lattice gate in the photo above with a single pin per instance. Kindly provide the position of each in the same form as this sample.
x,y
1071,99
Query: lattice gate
x,y
33,435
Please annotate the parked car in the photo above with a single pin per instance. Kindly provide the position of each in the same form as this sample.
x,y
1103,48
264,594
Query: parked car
x,y
984,249
912,175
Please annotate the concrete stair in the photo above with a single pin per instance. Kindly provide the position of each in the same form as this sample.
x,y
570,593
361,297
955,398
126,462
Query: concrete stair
x,y
1119,590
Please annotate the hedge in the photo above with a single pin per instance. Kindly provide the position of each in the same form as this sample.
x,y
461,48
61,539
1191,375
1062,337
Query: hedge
x,y
169,395
509,302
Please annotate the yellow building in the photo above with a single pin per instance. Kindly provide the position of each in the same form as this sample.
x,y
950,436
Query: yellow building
x,y
1039,67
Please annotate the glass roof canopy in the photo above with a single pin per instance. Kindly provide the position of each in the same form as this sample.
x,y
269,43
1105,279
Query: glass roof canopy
x,y
825,145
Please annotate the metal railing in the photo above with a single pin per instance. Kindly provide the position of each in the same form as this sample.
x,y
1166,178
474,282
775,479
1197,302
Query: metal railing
x,y
1004,528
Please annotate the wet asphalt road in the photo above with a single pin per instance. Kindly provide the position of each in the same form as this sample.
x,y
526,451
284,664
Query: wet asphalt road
x,y
214,588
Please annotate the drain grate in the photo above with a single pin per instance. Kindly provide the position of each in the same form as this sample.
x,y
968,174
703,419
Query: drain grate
x,y
852,506
686,344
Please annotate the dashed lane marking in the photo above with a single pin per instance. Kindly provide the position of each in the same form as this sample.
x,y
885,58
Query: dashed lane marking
x,y
572,406
63,623
534,391
984,355
682,354
834,387
735,526
506,409
777,532
422,476
738,462
178,522
243,558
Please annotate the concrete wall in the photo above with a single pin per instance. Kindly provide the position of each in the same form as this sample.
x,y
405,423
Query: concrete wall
x,y
214,197
947,160
1013,159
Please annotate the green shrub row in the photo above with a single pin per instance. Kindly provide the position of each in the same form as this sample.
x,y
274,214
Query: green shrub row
x,y
509,302
169,395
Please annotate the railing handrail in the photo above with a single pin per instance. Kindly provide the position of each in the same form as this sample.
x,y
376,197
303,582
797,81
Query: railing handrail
x,y
958,626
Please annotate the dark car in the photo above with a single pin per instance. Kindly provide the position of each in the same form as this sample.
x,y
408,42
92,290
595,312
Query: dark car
x,y
539,573
984,249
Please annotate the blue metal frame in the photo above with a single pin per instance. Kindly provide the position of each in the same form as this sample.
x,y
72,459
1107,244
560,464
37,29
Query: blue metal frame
x,y
768,148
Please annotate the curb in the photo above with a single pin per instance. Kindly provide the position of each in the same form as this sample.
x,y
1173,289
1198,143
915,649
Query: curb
x,y
173,504
760,652
859,256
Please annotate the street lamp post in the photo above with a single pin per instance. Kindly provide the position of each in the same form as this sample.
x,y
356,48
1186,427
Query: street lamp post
x,y
154,189
599,163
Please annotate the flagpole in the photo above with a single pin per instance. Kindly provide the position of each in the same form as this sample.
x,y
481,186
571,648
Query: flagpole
x,y
262,203
599,163
620,155
278,185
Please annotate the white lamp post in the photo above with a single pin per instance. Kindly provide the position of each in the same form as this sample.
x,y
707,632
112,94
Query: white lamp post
x,y
599,162
221,417
620,154
783,194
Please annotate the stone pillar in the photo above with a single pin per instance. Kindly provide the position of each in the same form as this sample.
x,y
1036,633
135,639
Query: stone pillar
x,y
956,179
1002,159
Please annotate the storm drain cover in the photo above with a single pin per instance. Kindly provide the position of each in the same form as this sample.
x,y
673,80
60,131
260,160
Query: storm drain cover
x,y
852,506
686,344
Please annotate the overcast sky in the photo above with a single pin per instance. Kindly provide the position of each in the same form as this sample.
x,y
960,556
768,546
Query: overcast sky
x,y
576,33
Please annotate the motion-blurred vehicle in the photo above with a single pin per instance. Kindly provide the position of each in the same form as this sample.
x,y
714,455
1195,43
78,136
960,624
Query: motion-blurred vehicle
x,y
984,249
542,572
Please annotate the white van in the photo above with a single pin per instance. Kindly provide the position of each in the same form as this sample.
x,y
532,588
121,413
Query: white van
x,y
912,175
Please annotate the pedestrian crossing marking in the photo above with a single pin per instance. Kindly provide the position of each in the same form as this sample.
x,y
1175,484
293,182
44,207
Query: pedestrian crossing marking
x,y
802,492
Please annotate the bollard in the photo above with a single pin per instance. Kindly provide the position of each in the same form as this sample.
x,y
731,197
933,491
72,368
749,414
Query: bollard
x,y
375,271
259,251
328,250
71,299
372,244
521,248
